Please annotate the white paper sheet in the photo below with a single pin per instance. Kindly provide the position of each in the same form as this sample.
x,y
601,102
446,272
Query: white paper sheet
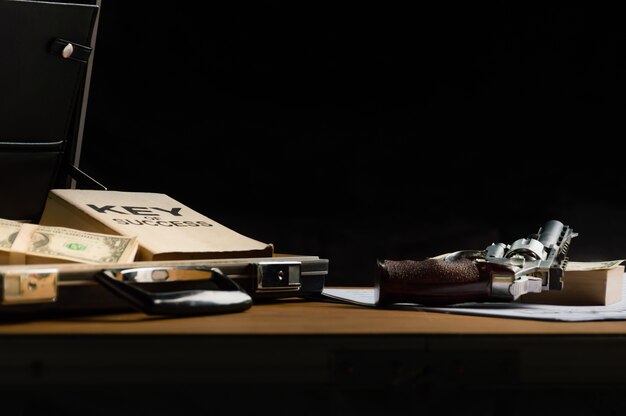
x,y
616,311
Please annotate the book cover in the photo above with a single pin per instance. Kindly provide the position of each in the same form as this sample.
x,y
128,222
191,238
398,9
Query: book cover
x,y
165,228
583,287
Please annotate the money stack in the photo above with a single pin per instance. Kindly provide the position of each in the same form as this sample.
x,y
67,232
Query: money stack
x,y
22,243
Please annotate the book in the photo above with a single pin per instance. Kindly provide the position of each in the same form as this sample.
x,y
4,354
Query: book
x,y
165,228
583,287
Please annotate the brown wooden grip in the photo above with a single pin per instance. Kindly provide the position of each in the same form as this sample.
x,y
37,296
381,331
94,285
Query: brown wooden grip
x,y
431,282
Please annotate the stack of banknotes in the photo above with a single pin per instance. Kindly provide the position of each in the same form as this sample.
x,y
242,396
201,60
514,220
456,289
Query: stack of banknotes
x,y
23,243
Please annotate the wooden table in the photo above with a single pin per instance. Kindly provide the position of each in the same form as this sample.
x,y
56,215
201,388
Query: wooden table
x,y
336,358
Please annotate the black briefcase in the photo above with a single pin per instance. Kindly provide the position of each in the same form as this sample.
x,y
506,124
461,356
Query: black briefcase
x,y
46,49
181,287
44,83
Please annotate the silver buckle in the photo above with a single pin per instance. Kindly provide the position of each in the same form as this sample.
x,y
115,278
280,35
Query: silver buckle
x,y
278,276
29,286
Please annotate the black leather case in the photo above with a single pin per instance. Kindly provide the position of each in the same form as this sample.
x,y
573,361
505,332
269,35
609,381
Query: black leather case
x,y
40,98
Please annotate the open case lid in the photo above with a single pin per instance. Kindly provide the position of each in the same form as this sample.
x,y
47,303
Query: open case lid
x,y
47,50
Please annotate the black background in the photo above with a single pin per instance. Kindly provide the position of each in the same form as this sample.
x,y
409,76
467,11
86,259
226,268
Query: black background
x,y
358,132
364,131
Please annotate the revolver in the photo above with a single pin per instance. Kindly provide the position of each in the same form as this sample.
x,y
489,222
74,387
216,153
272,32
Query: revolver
x,y
500,273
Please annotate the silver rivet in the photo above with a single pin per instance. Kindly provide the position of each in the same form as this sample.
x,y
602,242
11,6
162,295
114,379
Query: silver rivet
x,y
160,275
68,50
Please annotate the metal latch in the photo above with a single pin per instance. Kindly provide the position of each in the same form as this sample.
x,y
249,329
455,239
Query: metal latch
x,y
70,50
29,287
278,276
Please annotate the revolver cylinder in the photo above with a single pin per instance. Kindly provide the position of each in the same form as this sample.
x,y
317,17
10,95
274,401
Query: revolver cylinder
x,y
551,233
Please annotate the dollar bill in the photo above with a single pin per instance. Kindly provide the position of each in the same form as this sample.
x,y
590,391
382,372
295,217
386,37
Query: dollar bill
x,y
578,266
7,229
42,244
592,265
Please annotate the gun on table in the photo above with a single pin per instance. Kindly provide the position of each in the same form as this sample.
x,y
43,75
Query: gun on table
x,y
499,273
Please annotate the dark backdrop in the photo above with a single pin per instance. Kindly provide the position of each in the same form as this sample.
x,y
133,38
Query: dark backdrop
x,y
356,132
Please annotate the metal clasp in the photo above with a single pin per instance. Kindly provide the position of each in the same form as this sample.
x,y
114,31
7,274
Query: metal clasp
x,y
278,276
38,286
